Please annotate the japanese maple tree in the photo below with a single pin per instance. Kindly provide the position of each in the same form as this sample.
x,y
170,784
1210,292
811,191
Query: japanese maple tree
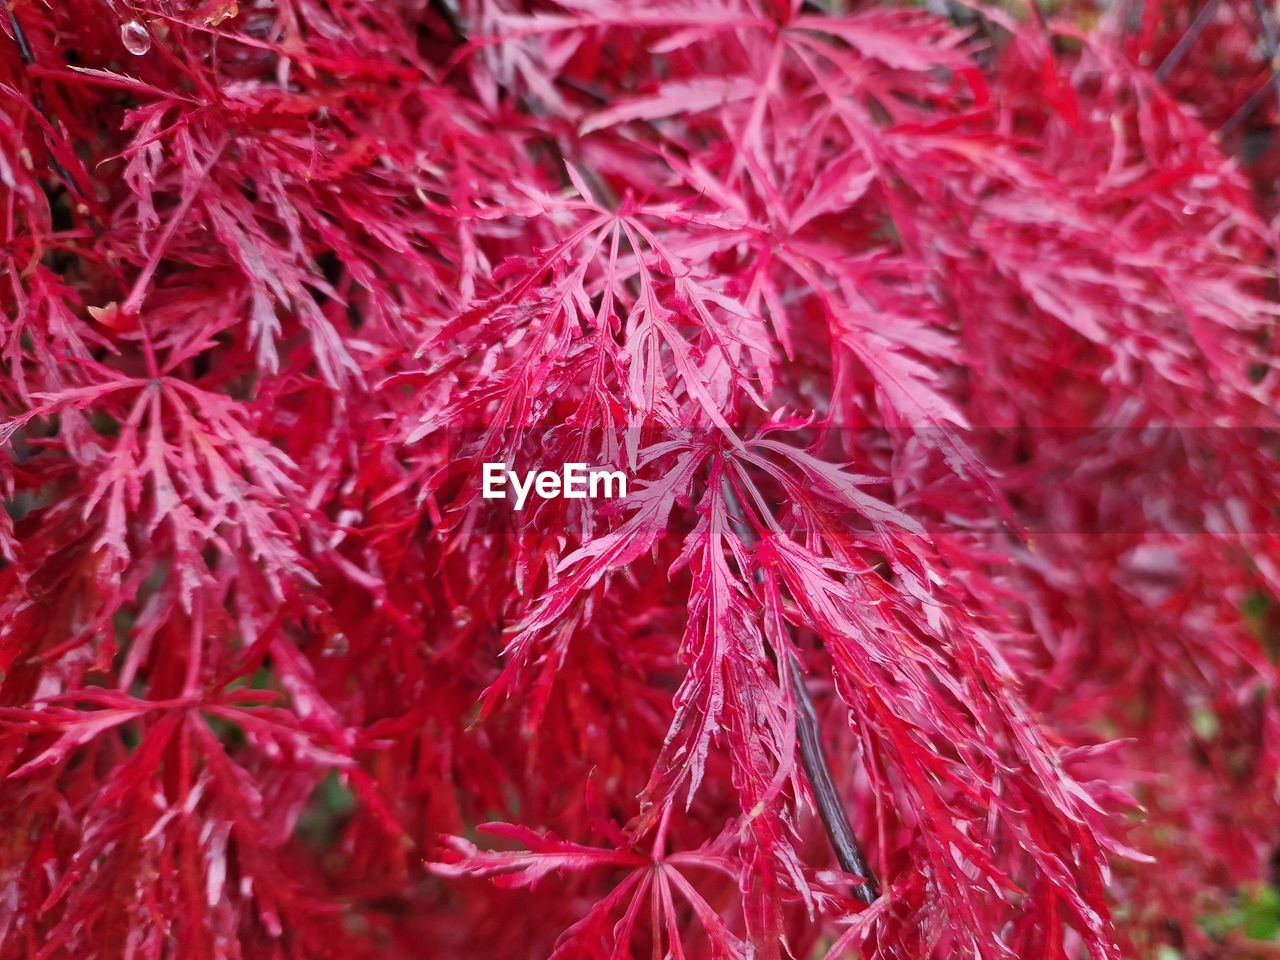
x,y
937,344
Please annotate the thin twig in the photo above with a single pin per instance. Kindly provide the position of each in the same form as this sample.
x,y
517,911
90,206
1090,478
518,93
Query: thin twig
x,y
1131,16
1270,49
813,756
28,58
20,38
1186,40
1268,28
1246,108
1270,38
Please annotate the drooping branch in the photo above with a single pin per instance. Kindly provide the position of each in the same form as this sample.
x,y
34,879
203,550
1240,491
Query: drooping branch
x,y
813,755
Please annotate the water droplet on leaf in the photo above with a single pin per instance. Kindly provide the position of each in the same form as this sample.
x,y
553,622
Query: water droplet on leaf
x,y
135,37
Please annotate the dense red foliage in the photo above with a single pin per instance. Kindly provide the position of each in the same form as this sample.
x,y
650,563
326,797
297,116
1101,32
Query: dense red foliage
x,y
939,346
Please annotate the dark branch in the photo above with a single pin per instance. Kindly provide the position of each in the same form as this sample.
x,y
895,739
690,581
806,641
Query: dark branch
x,y
813,756
1270,38
28,59
1268,29
20,38
1186,40
1246,108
